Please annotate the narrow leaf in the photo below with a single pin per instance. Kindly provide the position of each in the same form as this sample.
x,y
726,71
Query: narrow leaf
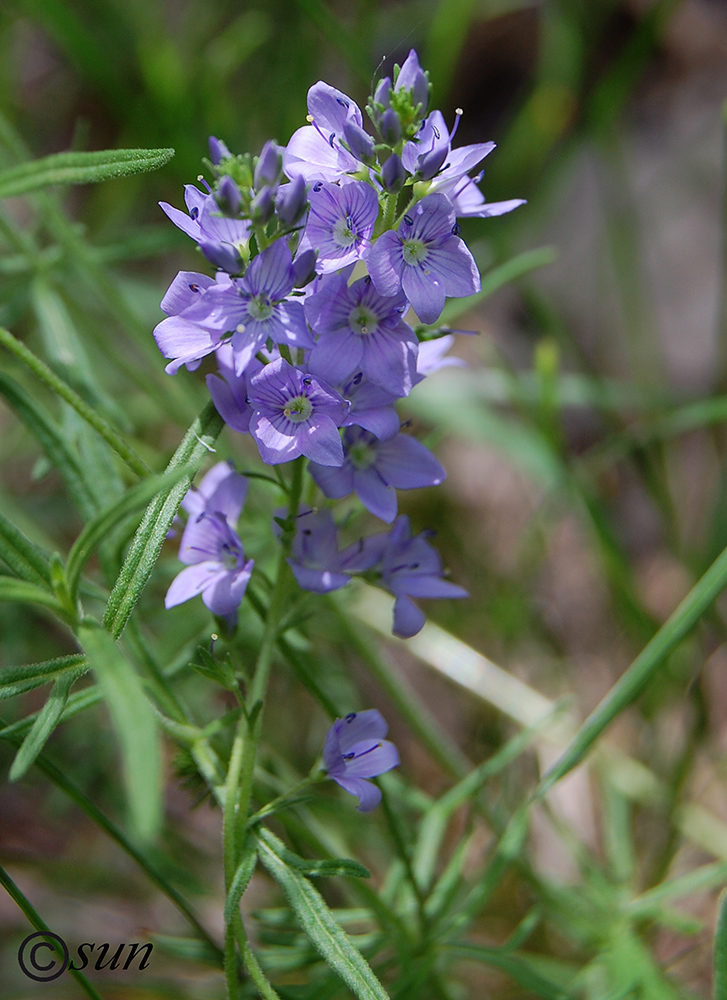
x,y
18,680
80,168
99,528
337,866
319,923
516,967
20,554
45,723
135,724
241,878
28,593
157,520
720,952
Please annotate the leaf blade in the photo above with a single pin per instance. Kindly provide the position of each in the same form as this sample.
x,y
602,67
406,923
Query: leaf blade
x,y
80,168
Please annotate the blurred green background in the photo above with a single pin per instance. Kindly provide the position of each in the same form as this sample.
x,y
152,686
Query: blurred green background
x,y
585,443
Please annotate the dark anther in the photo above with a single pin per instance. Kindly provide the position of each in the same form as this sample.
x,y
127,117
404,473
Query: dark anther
x,y
357,378
408,220
436,131
456,229
344,104
350,717
307,380
307,531
194,213
349,756
193,287
331,137
349,221
318,185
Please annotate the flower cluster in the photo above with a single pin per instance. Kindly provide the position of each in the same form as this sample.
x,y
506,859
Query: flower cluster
x,y
323,252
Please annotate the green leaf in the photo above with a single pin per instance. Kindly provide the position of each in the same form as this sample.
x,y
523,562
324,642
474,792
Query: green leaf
x,y
80,168
319,923
157,520
46,721
18,680
53,443
720,952
99,528
642,670
189,949
21,555
241,878
517,967
135,724
28,593
335,866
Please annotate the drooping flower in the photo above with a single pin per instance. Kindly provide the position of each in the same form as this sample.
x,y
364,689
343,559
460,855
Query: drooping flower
x,y
360,330
411,567
216,566
315,152
295,413
354,750
375,469
425,259
219,237
340,223
315,559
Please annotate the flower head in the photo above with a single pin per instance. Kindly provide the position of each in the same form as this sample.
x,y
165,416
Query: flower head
x,y
360,330
340,223
210,546
424,258
354,750
294,414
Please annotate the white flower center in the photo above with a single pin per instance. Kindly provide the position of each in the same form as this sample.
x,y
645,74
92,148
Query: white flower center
x,y
414,251
362,455
260,307
344,233
298,409
363,321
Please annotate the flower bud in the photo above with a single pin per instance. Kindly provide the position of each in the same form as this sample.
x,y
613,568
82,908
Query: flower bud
x,y
222,255
429,164
269,166
412,78
291,201
359,142
393,174
382,94
262,206
218,150
390,127
304,268
227,196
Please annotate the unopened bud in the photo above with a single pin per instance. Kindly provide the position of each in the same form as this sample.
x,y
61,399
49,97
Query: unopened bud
x,y
218,150
269,166
262,206
382,94
359,142
227,196
222,255
393,174
429,164
390,127
291,201
304,268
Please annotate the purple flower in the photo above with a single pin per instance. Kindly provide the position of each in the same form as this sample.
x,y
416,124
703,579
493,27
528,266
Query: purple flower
x,y
413,78
354,750
255,308
219,237
177,337
230,392
340,223
371,407
425,259
374,469
315,152
410,567
360,330
211,548
315,559
295,414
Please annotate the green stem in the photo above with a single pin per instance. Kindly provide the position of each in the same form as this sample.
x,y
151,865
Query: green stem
x,y
62,389
641,671
35,920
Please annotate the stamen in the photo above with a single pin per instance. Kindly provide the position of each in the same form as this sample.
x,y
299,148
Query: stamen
x,y
458,112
